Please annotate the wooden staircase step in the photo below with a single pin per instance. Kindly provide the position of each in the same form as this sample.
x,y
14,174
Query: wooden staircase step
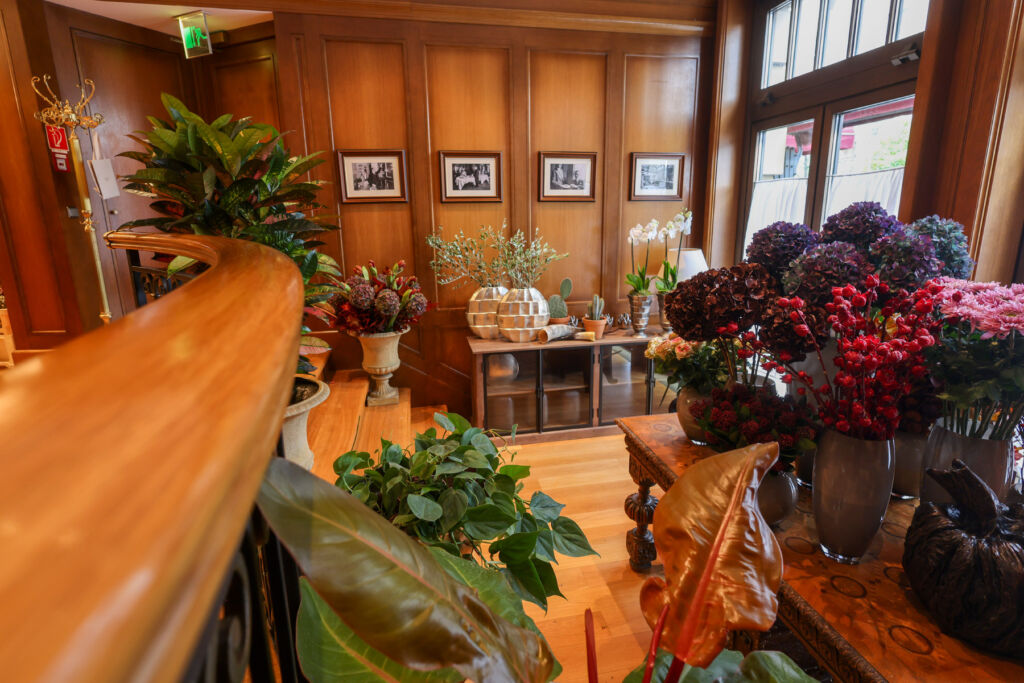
x,y
333,424
386,422
422,418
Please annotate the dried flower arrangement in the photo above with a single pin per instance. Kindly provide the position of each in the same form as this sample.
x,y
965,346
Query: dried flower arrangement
x,y
380,300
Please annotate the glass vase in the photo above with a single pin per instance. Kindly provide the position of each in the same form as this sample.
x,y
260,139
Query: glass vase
x,y
852,482
990,459
910,449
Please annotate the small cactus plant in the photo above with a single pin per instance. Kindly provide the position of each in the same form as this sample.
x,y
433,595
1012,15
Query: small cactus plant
x,y
556,303
595,309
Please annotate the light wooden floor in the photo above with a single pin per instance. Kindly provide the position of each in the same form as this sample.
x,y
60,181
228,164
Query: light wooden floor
x,y
590,476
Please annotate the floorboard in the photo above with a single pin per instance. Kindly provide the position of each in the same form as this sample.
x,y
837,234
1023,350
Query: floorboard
x,y
591,477
333,424
385,422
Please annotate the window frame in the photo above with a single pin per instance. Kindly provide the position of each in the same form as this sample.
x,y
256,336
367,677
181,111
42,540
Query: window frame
x,y
856,81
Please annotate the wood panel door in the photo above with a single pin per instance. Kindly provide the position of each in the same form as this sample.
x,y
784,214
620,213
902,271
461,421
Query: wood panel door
x,y
131,67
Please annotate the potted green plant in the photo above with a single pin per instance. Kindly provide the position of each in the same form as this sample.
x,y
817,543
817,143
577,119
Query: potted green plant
x,y
377,306
557,307
523,310
475,259
595,321
234,178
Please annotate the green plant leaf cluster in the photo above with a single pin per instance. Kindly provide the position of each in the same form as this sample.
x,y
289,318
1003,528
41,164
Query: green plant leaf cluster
x,y
234,178
760,666
379,605
556,302
458,492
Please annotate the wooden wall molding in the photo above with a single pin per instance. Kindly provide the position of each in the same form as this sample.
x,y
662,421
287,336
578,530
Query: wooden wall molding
x,y
465,90
686,18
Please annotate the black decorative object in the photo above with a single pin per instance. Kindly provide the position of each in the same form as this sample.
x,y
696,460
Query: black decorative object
x,y
965,562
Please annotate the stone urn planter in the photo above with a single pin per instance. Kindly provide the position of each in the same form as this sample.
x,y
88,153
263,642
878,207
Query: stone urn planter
x,y
521,314
380,360
293,430
482,312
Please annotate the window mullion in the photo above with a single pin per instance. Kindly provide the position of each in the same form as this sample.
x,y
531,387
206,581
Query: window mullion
x,y
794,9
891,28
819,38
851,44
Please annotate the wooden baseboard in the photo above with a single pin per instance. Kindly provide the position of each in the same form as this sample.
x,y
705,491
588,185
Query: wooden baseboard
x,y
567,434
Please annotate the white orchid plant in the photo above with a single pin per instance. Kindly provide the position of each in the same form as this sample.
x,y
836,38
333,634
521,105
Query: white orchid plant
x,y
639,279
679,227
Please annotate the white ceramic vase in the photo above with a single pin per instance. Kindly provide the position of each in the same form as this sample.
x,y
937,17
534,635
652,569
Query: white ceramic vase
x,y
482,312
521,314
293,429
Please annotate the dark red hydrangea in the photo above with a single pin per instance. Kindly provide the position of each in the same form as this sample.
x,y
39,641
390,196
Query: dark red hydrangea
x,y
362,297
859,224
735,297
376,300
775,246
904,259
821,268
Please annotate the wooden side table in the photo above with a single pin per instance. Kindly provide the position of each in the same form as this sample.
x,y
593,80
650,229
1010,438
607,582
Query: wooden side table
x,y
861,622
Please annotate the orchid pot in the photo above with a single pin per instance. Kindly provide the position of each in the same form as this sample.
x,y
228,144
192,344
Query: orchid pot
x,y
640,313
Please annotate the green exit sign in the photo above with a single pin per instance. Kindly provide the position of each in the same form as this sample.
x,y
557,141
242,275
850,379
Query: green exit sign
x,y
195,36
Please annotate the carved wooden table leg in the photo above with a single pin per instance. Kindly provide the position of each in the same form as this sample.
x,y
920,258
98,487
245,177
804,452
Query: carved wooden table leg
x,y
640,509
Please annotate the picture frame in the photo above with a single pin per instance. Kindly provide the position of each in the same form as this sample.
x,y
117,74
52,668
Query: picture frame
x,y
372,176
567,176
470,176
656,176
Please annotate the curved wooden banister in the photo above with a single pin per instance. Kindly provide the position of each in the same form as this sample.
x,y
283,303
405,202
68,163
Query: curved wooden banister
x,y
129,462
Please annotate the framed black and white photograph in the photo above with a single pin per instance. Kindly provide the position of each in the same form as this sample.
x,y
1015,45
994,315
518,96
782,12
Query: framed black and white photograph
x,y
656,176
567,176
372,175
470,176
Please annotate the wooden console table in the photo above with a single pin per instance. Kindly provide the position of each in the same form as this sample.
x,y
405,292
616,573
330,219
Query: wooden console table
x,y
861,622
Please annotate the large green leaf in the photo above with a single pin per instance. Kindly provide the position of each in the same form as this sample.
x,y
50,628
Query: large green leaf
x,y
730,666
389,588
330,651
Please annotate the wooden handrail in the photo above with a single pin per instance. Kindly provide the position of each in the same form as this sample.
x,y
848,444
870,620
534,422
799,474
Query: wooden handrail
x,y
129,462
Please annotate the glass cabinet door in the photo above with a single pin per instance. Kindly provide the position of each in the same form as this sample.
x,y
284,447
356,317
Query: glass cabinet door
x,y
566,388
511,382
625,382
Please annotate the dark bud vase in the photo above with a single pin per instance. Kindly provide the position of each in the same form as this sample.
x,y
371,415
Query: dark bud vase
x,y
852,483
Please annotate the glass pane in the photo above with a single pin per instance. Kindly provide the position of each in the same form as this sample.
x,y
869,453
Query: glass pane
x,y
783,162
874,22
511,390
869,150
837,31
806,36
623,382
567,377
776,44
910,17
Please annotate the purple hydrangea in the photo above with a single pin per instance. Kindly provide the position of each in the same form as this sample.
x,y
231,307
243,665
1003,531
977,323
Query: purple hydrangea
x,y
775,246
388,303
859,224
361,297
950,244
904,259
823,267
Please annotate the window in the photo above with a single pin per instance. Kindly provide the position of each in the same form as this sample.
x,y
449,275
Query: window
x,y
804,35
781,170
867,155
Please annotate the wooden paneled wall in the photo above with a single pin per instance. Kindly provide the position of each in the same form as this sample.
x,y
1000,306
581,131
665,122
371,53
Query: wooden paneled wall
x,y
35,267
349,83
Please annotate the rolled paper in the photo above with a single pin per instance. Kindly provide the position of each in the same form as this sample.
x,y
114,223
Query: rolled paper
x,y
553,332
585,336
